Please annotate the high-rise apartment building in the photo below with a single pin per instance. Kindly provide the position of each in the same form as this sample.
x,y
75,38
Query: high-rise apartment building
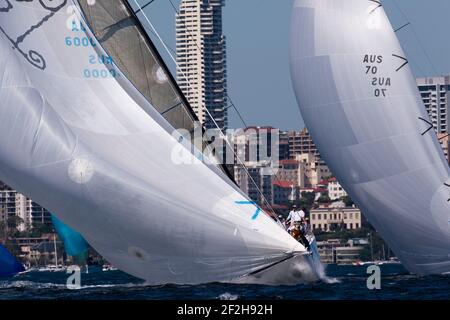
x,y
201,58
256,181
435,92
300,142
15,204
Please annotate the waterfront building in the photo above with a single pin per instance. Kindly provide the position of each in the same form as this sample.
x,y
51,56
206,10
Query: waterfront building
x,y
292,171
15,204
435,95
201,59
255,144
300,142
284,192
334,251
335,190
329,219
315,170
444,140
283,145
256,178
304,171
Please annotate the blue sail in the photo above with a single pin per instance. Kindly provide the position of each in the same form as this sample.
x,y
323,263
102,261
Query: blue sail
x,y
9,265
74,243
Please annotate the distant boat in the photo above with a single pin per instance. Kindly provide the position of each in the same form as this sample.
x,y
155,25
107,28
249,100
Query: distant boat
x,y
9,265
108,267
52,268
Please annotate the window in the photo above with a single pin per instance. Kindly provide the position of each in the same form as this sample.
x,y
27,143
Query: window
x,y
357,225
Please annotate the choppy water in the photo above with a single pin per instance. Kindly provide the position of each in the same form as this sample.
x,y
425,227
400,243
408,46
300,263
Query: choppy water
x,y
346,282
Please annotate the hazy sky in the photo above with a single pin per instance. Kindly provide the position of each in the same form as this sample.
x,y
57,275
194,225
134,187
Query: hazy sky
x,y
258,48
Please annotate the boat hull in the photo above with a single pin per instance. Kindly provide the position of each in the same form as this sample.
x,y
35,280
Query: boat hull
x,y
301,268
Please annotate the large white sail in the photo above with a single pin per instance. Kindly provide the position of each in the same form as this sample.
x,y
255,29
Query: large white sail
x,y
360,102
83,142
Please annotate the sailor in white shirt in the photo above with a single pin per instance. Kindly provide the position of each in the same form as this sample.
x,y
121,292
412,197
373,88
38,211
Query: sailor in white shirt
x,y
295,216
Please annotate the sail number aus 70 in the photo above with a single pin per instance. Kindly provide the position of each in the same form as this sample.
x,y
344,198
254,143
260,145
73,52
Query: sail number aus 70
x,y
372,62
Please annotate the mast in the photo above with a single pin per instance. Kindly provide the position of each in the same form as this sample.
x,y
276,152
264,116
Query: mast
x,y
56,251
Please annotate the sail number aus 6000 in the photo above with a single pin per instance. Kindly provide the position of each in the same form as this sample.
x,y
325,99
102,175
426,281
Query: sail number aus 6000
x,y
80,42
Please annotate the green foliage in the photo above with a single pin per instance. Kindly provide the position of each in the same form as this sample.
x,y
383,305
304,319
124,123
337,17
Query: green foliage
x,y
39,229
306,202
348,201
324,199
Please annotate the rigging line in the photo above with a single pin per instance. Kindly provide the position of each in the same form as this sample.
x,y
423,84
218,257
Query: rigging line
x,y
173,107
223,136
417,37
144,6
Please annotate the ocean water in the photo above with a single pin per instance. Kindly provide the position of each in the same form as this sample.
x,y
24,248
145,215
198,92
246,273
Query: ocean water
x,y
344,282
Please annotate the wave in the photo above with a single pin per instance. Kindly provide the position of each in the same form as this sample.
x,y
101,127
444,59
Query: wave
x,y
228,296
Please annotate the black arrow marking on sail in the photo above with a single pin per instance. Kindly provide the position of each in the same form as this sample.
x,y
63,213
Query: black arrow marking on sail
x,y
448,186
429,123
404,64
377,2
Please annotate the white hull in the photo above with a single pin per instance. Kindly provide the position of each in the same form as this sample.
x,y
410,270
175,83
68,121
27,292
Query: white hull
x,y
299,269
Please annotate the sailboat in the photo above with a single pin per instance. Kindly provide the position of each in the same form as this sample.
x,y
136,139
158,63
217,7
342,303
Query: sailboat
x,y
89,113
362,107
9,265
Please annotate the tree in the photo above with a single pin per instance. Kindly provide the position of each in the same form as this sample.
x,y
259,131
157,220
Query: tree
x,y
324,199
307,201
39,229
3,231
348,201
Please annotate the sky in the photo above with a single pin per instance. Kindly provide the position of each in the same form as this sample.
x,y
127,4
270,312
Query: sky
x,y
258,31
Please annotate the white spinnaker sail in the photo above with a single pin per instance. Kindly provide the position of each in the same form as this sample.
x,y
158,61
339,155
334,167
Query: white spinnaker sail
x,y
75,138
361,104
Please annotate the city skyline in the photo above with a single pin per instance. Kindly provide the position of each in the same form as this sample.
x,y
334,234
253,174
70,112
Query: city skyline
x,y
268,36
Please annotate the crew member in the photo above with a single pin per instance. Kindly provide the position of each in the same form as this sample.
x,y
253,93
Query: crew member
x,y
294,216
